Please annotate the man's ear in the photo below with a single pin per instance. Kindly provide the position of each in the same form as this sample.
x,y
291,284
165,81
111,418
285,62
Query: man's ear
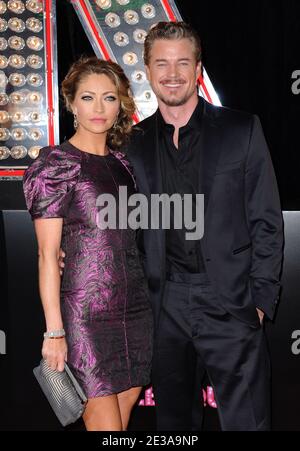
x,y
199,70
147,72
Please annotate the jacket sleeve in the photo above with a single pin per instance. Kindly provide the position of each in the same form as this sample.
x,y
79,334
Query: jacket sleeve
x,y
265,222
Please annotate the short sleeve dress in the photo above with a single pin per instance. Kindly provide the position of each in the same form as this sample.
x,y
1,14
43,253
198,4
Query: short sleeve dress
x,y
104,299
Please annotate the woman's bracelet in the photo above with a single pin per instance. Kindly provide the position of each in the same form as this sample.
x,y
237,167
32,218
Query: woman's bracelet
x,y
60,333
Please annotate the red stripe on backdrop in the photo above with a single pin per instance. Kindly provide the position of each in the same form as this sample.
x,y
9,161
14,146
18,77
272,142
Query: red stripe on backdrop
x,y
49,62
135,118
14,173
94,29
169,11
203,86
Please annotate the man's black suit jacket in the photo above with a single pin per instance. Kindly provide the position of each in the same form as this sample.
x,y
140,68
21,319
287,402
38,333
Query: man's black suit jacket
x,y
243,236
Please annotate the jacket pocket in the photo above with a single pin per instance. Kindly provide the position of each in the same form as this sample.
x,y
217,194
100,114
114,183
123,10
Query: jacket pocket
x,y
241,249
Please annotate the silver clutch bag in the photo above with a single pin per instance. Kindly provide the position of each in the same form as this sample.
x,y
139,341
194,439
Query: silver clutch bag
x,y
63,392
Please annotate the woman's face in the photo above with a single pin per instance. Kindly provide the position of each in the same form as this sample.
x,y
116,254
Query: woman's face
x,y
96,104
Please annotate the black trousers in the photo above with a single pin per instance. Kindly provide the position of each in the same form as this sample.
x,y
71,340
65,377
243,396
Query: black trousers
x,y
197,335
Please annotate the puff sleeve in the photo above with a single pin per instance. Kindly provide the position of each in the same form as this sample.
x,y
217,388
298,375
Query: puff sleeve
x,y
49,182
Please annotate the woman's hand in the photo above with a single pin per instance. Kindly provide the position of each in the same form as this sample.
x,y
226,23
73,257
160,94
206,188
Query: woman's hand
x,y
54,351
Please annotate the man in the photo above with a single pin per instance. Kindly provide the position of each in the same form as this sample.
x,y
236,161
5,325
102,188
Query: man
x,y
209,297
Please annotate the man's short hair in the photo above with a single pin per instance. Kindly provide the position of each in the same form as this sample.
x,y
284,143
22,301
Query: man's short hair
x,y
174,31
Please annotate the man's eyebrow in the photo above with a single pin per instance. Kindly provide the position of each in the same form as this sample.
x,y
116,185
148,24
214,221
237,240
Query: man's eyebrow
x,y
162,60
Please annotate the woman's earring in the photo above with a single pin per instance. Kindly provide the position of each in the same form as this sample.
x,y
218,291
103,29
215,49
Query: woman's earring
x,y
75,123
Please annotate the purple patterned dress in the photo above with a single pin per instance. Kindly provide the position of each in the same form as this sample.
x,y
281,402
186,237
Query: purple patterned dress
x,y
104,299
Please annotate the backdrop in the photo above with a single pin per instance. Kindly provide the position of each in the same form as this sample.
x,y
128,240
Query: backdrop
x,y
250,50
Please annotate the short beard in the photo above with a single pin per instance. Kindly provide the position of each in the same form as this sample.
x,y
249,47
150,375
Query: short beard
x,y
175,102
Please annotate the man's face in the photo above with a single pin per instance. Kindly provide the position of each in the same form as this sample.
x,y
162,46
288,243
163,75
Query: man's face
x,y
173,71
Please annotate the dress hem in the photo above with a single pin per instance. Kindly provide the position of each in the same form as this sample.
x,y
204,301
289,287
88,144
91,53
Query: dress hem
x,y
115,392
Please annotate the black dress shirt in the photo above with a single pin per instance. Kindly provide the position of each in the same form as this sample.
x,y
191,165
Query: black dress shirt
x,y
180,174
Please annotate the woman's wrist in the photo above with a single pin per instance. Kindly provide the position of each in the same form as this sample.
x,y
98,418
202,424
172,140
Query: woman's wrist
x,y
55,333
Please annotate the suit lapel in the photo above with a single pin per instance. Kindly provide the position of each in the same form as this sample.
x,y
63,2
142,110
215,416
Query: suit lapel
x,y
152,165
152,159
210,151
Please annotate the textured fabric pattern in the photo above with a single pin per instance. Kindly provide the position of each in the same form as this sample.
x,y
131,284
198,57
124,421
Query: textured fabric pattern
x,y
104,298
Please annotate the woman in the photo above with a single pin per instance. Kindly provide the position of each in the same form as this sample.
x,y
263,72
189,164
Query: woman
x,y
98,316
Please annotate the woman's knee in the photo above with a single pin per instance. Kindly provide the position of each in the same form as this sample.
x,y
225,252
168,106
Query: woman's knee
x,y
103,414
129,397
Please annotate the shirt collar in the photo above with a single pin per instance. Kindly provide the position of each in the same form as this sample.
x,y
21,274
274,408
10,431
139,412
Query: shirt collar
x,y
194,122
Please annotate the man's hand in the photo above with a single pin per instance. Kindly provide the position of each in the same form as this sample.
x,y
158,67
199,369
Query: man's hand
x,y
61,261
261,315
